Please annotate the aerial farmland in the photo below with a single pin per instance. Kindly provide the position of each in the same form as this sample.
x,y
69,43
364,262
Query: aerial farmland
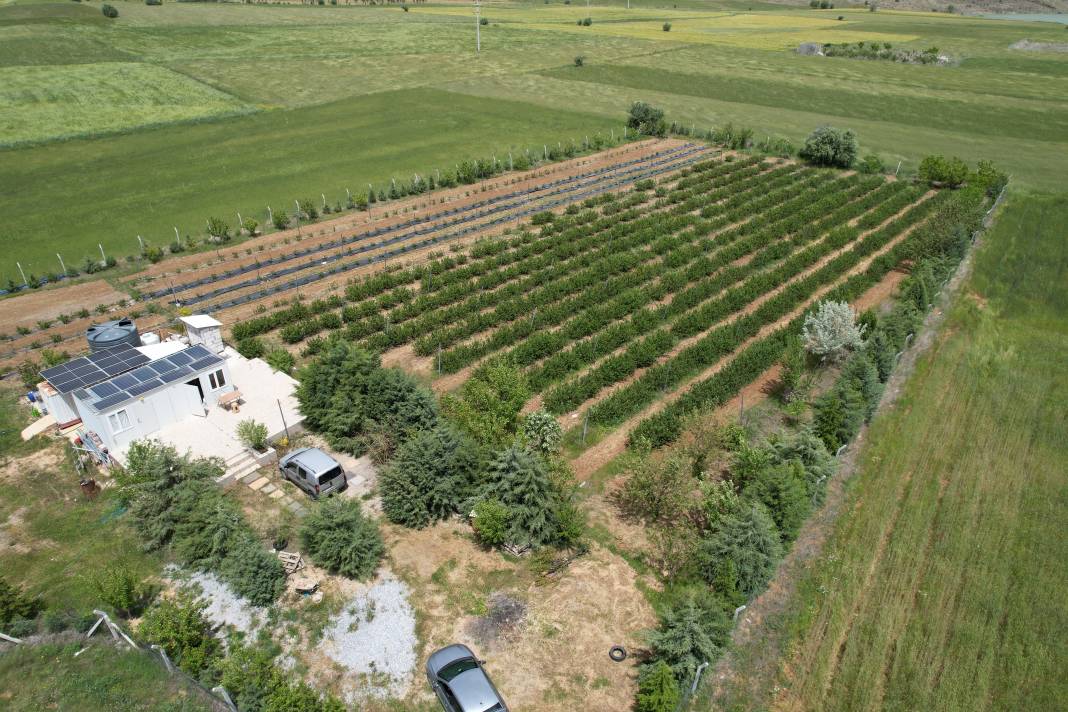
x,y
532,356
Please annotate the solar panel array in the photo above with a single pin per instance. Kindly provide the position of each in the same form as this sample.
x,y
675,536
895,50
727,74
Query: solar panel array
x,y
155,374
94,368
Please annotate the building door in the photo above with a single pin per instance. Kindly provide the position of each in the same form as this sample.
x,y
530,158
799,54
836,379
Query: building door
x,y
200,388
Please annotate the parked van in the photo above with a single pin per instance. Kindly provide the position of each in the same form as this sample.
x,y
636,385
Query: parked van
x,y
313,471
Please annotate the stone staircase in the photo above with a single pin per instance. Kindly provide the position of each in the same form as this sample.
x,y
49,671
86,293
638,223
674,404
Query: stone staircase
x,y
239,468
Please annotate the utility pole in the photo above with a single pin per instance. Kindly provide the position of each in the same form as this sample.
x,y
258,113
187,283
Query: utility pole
x,y
478,27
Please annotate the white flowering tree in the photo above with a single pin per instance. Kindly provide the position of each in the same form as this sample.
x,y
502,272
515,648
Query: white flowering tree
x,y
831,331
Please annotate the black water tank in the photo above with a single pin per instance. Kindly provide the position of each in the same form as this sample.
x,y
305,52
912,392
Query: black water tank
x,y
121,332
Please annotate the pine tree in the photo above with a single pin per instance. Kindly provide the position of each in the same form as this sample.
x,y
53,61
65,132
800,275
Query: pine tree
x,y
658,691
690,633
519,481
750,540
432,474
782,490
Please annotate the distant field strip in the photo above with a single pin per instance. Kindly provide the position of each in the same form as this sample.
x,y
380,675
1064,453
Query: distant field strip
x,y
42,102
1033,120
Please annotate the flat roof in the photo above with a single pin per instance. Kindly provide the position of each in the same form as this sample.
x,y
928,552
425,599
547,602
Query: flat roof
x,y
151,377
200,321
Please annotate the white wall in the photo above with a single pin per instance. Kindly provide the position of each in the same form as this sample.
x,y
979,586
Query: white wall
x,y
61,407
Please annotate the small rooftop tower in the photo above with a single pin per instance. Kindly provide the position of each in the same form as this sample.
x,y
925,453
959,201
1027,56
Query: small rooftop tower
x,y
202,329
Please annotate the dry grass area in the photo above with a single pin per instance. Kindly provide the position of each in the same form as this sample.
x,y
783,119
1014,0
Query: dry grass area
x,y
47,304
556,657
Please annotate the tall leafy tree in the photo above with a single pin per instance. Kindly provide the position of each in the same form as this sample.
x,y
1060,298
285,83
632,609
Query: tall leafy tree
x,y
489,404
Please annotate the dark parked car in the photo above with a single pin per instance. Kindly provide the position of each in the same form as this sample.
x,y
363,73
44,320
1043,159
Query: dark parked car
x,y
313,471
461,683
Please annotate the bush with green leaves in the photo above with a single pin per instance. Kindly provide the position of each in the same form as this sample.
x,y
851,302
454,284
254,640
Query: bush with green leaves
x,y
280,360
667,27
542,432
307,209
831,331
658,691
180,627
252,571
489,403
250,225
280,219
941,171
16,605
252,434
491,522
109,11
218,229
828,146
251,347
432,475
654,490
841,411
646,119
338,536
871,164
118,586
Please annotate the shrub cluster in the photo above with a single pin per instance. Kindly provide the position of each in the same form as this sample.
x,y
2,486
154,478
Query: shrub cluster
x,y
340,538
175,503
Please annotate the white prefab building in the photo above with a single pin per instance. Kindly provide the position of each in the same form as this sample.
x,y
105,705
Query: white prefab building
x,y
138,403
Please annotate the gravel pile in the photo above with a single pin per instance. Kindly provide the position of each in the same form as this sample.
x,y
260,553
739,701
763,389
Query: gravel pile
x,y
225,608
374,638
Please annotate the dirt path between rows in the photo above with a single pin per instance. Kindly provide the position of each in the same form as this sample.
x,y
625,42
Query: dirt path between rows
x,y
759,638
615,443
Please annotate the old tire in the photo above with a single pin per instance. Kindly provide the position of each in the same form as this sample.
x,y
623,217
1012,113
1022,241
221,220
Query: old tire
x,y
618,653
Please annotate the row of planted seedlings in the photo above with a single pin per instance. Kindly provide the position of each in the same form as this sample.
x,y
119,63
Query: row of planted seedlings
x,y
682,258
930,230
702,283
708,292
384,250
412,291
718,343
365,240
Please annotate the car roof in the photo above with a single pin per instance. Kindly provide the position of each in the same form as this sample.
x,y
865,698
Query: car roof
x,y
474,691
447,655
312,459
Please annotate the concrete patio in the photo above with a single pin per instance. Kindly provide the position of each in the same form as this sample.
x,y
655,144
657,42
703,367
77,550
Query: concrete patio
x,y
266,395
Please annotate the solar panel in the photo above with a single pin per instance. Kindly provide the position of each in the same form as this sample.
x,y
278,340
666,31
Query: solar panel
x,y
124,381
202,363
88,370
144,374
143,387
181,358
174,375
103,390
161,367
110,401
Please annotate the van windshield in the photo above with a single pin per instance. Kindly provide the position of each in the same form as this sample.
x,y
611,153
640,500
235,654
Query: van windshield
x,y
330,474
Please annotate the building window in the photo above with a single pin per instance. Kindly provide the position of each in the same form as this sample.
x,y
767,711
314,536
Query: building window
x,y
217,379
119,421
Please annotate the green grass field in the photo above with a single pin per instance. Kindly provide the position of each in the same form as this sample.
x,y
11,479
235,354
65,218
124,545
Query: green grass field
x,y
103,677
943,586
346,95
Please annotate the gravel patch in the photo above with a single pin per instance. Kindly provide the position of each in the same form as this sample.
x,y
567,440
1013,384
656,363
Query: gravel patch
x,y
224,607
374,638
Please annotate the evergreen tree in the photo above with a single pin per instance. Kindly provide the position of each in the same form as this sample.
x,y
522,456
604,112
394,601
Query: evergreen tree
x,y
339,537
781,488
519,481
691,632
750,540
861,375
658,691
432,474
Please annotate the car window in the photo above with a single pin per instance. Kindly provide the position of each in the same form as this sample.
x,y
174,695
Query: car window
x,y
329,474
454,669
301,473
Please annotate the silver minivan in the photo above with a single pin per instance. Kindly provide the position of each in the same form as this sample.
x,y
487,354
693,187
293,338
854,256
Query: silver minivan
x,y
313,471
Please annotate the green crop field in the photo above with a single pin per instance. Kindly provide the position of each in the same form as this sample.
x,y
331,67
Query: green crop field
x,y
344,95
944,587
